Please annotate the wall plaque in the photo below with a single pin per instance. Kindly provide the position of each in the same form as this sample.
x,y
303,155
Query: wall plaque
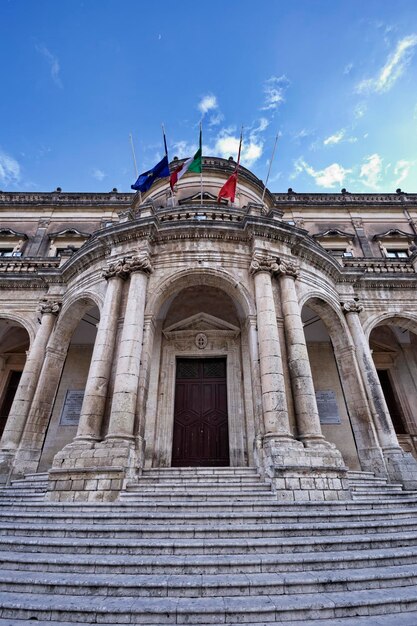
x,y
327,406
71,410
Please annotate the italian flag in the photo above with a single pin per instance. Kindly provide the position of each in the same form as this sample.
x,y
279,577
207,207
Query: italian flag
x,y
193,164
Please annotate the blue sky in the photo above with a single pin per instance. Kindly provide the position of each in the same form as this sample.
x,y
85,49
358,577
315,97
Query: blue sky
x,y
336,79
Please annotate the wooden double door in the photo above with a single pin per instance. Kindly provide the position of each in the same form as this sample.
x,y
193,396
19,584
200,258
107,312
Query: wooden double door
x,y
201,435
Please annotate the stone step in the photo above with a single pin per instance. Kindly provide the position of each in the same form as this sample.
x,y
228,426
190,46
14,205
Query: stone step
x,y
130,563
198,495
206,585
399,619
250,545
214,529
236,507
199,489
281,515
264,608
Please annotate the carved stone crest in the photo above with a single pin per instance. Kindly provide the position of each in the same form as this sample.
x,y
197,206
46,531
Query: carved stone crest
x,y
201,341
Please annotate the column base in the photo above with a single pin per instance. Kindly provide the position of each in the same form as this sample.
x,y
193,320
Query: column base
x,y
401,467
93,471
372,460
6,464
300,473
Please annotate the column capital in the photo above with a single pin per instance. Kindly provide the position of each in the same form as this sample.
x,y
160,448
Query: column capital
x,y
264,263
288,268
351,306
139,263
124,267
46,306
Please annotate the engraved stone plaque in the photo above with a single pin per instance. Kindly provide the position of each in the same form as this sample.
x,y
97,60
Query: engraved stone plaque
x,y
71,410
327,406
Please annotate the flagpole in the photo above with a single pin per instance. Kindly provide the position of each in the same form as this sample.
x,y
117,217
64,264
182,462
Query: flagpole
x,y
201,173
134,163
166,152
269,169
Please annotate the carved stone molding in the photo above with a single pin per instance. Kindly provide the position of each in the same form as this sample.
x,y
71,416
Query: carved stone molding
x,y
351,306
49,306
264,264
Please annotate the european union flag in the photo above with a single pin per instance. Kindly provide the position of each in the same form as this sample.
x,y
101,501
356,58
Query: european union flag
x,y
147,179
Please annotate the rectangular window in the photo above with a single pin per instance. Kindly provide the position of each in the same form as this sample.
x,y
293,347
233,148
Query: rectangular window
x,y
397,254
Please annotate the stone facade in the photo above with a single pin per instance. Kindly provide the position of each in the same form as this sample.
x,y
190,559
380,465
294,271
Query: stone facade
x,y
309,299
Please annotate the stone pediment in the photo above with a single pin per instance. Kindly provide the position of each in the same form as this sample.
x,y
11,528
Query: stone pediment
x,y
196,197
202,322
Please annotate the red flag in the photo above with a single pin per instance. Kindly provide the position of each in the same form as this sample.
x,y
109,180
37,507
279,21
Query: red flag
x,y
174,176
229,188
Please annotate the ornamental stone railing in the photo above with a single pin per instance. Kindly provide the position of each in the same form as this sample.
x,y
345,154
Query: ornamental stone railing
x,y
28,265
380,266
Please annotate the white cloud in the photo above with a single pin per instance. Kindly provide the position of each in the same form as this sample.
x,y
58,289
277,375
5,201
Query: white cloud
x,y
98,174
304,132
336,138
227,145
393,68
371,170
263,125
402,170
207,103
216,119
360,110
53,64
183,149
330,176
348,68
9,169
274,90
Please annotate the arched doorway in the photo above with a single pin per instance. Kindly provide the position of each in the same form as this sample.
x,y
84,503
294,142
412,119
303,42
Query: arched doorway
x,y
394,350
200,416
330,395
66,408
14,344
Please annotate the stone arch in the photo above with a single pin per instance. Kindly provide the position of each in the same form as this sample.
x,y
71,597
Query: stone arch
x,y
71,314
29,325
354,392
160,416
332,318
201,276
403,319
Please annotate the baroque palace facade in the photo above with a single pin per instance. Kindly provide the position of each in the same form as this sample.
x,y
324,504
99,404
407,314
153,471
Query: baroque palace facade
x,y
157,331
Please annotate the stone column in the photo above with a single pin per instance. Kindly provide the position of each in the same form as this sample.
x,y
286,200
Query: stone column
x,y
29,380
92,410
123,409
304,395
401,466
382,419
274,402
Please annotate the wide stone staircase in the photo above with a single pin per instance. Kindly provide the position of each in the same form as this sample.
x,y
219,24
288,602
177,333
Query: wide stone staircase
x,y
209,546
